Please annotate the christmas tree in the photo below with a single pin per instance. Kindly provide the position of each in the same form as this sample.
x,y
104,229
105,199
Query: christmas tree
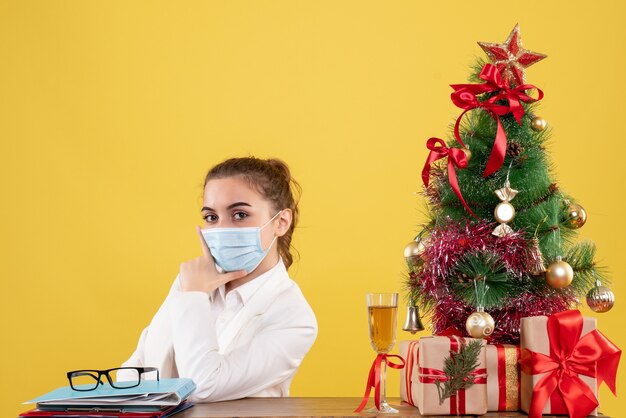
x,y
501,241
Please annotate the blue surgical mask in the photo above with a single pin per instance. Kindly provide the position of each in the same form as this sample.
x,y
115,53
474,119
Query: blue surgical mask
x,y
237,248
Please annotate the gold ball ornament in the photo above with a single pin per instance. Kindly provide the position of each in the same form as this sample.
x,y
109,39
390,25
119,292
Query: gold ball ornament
x,y
504,212
559,274
413,252
600,299
480,324
538,124
575,216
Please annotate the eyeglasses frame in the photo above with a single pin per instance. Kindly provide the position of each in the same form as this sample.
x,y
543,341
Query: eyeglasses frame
x,y
140,370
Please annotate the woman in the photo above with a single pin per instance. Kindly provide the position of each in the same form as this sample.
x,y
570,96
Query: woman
x,y
234,321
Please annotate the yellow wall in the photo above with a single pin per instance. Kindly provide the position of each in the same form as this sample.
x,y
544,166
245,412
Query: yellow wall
x,y
111,111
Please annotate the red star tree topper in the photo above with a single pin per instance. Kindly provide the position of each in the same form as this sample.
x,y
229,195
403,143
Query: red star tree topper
x,y
510,58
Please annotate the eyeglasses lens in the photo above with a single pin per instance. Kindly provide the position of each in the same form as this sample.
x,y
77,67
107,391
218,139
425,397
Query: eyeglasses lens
x,y
124,378
85,379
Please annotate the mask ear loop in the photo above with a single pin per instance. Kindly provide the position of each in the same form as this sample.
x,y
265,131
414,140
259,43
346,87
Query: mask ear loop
x,y
273,217
265,252
275,236
271,243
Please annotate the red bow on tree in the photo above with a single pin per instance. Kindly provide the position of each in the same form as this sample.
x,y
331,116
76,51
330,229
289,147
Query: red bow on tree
x,y
592,355
464,96
456,158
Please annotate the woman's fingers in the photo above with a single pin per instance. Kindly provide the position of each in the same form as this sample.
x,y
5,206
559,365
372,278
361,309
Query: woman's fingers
x,y
233,275
224,278
205,248
201,273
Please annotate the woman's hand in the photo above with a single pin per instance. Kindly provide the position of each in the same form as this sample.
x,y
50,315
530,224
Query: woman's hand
x,y
200,274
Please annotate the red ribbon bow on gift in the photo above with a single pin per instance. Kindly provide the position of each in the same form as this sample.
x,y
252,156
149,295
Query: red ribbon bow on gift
x,y
592,355
464,96
456,158
373,380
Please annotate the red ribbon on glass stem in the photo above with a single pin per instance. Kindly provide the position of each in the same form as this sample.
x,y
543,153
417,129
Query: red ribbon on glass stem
x,y
464,96
592,355
456,158
373,380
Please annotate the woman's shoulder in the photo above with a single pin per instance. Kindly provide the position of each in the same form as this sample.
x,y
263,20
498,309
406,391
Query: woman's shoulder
x,y
288,289
293,292
291,302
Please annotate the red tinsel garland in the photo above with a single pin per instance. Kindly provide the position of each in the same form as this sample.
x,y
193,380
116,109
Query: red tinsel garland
x,y
448,244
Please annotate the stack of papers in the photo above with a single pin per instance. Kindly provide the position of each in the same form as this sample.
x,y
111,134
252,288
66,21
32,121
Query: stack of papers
x,y
168,412
151,398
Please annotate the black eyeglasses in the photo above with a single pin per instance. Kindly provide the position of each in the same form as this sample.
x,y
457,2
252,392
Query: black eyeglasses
x,y
118,378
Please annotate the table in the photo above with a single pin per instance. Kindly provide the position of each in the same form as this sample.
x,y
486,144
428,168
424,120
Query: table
x,y
307,407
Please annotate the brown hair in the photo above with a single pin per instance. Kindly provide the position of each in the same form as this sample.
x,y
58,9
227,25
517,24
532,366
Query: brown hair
x,y
272,179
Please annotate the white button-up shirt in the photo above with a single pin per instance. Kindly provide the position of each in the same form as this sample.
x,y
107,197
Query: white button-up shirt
x,y
248,342
227,305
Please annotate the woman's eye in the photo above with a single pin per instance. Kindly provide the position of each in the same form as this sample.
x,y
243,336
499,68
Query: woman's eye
x,y
239,216
210,217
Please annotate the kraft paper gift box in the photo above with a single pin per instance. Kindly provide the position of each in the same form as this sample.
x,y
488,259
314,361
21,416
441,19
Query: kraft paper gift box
x,y
407,392
557,352
424,362
534,336
503,377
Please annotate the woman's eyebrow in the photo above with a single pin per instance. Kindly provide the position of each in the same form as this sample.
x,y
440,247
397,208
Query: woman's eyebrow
x,y
233,205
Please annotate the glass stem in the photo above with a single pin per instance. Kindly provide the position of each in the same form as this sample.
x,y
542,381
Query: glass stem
x,y
383,383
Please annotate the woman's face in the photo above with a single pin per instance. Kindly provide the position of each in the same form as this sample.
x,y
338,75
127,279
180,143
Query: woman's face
x,y
230,202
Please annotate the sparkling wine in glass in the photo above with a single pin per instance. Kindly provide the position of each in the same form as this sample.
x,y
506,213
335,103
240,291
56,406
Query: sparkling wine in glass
x,y
382,312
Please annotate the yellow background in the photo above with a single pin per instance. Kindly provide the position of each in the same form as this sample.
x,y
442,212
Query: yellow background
x,y
112,111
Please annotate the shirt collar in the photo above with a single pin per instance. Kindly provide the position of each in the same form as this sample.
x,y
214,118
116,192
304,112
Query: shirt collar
x,y
246,290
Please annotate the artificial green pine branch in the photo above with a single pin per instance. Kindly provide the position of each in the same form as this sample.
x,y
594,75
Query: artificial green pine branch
x,y
488,268
581,257
458,368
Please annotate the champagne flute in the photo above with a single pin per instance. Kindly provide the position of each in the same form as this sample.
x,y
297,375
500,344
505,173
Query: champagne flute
x,y
382,312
